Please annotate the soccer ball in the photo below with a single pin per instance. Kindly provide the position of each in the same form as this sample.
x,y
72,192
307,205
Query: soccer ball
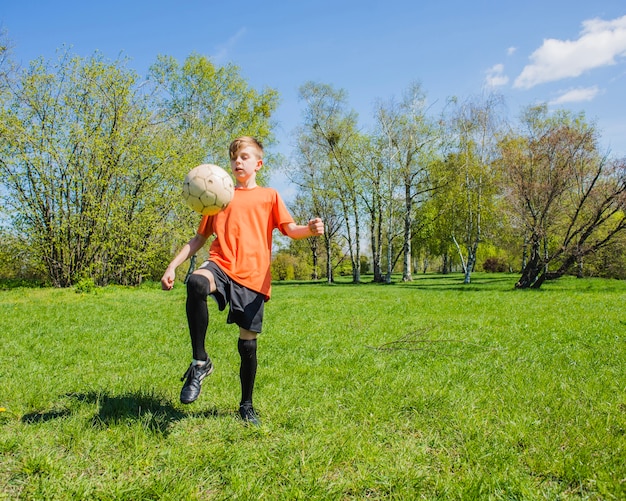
x,y
208,189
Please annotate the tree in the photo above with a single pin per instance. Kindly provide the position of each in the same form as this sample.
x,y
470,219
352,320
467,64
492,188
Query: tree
x,y
374,201
318,194
332,131
412,140
569,198
475,127
203,108
443,211
73,140
302,208
207,106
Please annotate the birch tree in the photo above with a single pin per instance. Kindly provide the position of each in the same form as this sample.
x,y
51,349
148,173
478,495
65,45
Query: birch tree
x,y
475,125
412,138
333,130
319,195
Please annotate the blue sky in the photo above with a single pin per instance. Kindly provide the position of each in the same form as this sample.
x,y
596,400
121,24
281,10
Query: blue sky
x,y
570,53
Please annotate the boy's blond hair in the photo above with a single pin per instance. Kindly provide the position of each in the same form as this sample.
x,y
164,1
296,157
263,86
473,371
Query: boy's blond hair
x,y
242,142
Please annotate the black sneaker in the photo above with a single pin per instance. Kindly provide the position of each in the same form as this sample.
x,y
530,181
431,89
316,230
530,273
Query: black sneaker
x,y
194,375
248,414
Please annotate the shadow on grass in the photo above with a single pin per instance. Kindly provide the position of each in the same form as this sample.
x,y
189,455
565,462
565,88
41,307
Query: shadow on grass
x,y
152,412
42,417
447,282
480,282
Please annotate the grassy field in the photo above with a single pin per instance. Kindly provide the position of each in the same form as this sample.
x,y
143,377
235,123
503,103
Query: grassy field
x,y
428,390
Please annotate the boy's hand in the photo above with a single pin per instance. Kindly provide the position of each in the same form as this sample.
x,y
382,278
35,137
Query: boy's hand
x,y
167,281
316,226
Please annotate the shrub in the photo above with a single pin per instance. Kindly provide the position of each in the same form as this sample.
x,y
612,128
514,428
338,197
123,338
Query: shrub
x,y
495,265
85,286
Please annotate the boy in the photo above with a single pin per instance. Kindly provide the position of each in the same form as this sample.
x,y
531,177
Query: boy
x,y
237,272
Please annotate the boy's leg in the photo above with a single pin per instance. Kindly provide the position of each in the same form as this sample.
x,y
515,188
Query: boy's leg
x,y
247,346
199,285
198,288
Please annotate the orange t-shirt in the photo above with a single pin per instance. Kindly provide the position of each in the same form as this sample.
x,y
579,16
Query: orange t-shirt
x,y
243,247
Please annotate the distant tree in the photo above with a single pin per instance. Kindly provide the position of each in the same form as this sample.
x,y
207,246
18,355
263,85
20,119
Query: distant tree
x,y
570,198
318,194
412,145
284,266
304,209
374,200
332,130
441,214
475,127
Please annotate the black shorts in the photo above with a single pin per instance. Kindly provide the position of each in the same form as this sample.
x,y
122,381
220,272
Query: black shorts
x,y
246,305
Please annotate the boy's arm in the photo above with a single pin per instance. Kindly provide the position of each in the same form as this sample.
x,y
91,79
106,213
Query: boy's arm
x,y
297,231
188,250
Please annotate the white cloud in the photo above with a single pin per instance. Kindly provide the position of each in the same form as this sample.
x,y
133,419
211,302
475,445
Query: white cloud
x,y
577,95
496,77
599,44
510,51
225,48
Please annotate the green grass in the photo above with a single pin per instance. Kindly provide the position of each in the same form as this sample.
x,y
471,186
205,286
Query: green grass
x,y
427,390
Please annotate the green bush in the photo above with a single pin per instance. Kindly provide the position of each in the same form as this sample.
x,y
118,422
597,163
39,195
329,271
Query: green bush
x,y
85,286
286,266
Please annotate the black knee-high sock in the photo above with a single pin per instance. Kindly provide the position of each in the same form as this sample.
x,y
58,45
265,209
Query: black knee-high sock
x,y
198,288
247,370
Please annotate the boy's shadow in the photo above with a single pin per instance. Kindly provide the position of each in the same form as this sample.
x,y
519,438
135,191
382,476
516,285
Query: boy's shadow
x,y
156,414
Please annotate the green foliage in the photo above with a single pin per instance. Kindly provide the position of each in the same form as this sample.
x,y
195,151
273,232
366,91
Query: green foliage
x,y
208,106
607,262
365,265
93,159
85,286
286,266
16,259
283,266
427,390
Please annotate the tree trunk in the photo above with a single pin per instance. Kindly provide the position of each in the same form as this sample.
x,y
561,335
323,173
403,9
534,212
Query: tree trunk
x,y
356,262
329,261
406,263
533,268
315,258
471,262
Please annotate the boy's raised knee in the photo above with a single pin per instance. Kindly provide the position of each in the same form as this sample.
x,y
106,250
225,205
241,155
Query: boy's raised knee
x,y
198,285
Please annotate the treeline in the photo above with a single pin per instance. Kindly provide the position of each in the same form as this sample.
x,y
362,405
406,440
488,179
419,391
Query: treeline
x,y
462,187
92,158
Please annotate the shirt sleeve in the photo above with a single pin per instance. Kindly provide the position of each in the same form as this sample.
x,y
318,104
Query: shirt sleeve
x,y
206,226
281,215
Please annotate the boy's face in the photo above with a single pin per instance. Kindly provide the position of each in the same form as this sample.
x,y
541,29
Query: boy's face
x,y
245,164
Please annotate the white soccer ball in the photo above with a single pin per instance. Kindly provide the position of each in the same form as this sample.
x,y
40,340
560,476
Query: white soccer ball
x,y
208,189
